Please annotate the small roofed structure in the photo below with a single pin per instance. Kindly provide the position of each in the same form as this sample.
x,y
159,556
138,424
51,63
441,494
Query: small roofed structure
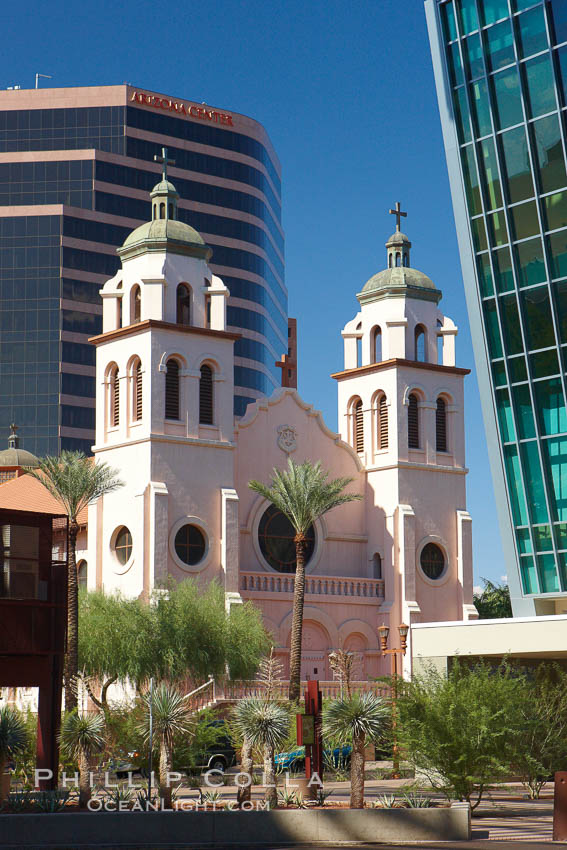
x,y
33,616
14,460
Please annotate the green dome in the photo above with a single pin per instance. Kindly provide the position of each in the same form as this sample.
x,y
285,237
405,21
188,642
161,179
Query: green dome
x,y
164,228
17,457
399,281
165,234
399,277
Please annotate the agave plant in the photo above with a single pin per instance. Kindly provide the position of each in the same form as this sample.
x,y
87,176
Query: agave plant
x,y
171,717
13,735
81,737
265,725
359,718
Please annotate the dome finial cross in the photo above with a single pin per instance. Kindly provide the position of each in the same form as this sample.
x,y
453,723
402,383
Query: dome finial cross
x,y
399,214
165,161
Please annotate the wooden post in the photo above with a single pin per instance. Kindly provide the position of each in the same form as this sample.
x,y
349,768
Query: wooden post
x,y
560,807
48,723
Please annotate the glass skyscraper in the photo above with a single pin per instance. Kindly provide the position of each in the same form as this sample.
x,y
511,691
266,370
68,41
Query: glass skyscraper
x,y
501,76
76,166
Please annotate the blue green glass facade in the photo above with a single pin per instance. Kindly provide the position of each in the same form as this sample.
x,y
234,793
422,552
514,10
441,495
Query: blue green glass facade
x,y
501,74
52,265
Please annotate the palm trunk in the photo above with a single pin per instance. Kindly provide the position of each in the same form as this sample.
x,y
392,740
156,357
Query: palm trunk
x,y
72,656
357,773
297,621
271,793
247,766
164,769
84,785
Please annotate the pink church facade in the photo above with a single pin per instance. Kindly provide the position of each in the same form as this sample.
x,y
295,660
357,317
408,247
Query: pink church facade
x,y
164,419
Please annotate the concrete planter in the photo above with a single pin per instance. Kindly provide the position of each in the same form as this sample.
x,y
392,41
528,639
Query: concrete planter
x,y
224,828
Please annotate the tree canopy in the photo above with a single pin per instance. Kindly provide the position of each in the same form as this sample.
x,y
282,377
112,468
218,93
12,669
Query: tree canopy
x,y
184,633
459,729
493,602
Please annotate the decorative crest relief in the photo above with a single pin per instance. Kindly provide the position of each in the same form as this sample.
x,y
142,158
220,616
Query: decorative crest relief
x,y
287,438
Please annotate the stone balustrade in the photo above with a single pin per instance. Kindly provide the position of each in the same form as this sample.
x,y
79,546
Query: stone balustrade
x,y
315,585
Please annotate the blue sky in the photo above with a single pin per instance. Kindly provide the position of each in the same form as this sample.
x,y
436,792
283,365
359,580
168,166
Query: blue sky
x,y
345,89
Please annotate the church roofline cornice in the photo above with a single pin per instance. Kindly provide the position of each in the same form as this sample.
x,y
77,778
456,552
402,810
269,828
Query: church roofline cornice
x,y
148,324
398,361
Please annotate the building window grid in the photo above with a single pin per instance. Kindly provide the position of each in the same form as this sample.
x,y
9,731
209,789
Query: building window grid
x,y
538,549
504,189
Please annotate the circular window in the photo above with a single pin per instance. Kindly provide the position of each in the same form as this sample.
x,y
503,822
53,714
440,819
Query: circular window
x,y
123,545
276,537
432,561
190,544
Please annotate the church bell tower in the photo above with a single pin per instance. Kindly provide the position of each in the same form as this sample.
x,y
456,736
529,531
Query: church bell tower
x,y
164,411
401,407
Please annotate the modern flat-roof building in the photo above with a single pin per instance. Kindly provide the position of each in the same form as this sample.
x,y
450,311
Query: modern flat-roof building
x,y
76,166
501,75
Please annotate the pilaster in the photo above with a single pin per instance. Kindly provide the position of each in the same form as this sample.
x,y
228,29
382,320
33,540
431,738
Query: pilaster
x,y
230,539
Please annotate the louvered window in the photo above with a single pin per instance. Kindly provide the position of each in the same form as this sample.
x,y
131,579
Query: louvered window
x,y
138,392
136,305
382,423
115,398
413,422
358,427
183,305
441,425
206,396
172,390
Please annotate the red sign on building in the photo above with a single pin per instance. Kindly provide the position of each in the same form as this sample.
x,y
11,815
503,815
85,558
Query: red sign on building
x,y
189,110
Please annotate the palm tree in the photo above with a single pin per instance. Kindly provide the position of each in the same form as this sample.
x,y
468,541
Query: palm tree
x,y
81,736
263,724
303,494
13,737
171,716
75,481
356,718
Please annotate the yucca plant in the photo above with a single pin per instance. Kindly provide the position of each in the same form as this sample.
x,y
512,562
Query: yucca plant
x,y
265,725
13,735
303,494
358,718
171,717
81,737
75,481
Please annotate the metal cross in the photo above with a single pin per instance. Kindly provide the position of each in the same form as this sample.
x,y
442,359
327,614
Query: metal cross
x,y
163,159
399,214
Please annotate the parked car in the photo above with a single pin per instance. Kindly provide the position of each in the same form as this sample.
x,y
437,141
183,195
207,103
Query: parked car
x,y
295,759
130,765
218,756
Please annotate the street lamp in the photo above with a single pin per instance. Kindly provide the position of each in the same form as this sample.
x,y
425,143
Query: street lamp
x,y
383,632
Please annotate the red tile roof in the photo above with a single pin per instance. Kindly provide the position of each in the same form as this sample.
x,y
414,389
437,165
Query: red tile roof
x,y
28,494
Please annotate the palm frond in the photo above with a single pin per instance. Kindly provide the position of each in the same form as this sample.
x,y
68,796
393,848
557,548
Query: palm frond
x,y
303,494
362,714
171,714
263,723
81,734
75,481
13,733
